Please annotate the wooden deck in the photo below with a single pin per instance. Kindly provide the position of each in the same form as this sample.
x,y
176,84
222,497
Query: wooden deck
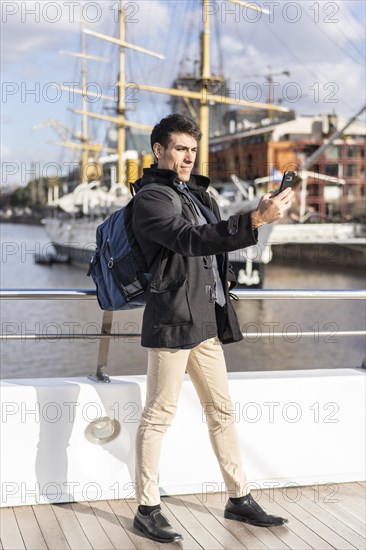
x,y
320,518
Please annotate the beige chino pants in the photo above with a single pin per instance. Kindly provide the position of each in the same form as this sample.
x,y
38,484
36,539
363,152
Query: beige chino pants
x,y
206,367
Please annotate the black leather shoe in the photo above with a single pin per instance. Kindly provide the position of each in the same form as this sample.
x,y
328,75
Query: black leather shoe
x,y
250,512
156,526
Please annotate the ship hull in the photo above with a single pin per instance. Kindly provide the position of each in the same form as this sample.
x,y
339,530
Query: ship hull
x,y
74,243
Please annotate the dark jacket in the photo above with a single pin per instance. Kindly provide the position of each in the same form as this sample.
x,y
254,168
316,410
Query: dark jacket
x,y
180,308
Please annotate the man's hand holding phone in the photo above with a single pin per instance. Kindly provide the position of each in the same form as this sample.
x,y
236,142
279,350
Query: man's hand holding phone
x,y
272,206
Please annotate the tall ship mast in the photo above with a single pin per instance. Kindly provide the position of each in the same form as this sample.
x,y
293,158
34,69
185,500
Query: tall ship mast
x,y
205,81
204,95
89,198
120,120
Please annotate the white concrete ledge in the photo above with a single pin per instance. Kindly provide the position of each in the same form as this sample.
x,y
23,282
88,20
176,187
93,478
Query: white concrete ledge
x,y
295,428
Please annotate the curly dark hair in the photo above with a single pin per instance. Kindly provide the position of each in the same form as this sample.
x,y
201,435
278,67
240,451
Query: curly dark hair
x,y
179,124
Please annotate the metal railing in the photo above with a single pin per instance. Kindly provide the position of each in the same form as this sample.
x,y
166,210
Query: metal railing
x,y
105,335
260,294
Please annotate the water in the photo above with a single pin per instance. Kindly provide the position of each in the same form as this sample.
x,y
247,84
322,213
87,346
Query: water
x,y
23,359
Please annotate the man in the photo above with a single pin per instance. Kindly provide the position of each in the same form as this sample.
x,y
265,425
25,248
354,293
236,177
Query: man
x,y
188,315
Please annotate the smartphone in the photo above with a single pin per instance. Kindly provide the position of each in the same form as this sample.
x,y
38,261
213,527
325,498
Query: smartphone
x,y
289,179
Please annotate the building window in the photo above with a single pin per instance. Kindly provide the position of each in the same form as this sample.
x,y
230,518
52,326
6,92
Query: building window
x,y
352,170
332,170
351,190
314,190
355,151
237,165
333,152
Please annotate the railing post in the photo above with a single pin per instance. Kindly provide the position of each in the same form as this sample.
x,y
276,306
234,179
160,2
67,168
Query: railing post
x,y
100,376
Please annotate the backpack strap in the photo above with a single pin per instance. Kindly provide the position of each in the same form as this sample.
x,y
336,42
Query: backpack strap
x,y
165,190
175,198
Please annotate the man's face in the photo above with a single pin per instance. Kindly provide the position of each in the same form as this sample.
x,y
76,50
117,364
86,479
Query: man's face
x,y
179,155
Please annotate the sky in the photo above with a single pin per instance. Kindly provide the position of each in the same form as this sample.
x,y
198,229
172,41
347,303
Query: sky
x,y
320,43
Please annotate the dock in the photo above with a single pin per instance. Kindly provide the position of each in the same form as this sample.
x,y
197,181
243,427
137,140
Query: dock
x,y
321,517
329,244
302,435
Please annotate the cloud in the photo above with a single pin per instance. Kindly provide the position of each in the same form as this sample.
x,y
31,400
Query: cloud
x,y
23,36
35,27
147,23
6,119
5,152
317,48
318,52
19,165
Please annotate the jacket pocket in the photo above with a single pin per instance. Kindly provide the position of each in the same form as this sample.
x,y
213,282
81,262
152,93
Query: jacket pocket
x,y
171,305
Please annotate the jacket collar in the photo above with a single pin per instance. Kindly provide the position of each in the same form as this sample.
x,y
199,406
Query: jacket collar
x,y
169,177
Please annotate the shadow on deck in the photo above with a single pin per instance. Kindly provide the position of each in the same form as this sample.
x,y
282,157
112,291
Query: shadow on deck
x,y
320,517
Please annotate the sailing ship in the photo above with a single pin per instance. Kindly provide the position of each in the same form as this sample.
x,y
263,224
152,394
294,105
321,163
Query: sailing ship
x,y
74,235
92,201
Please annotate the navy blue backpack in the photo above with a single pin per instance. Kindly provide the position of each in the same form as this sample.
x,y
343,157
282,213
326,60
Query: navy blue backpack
x,y
118,267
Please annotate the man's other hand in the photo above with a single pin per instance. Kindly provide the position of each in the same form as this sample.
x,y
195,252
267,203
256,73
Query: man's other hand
x,y
272,207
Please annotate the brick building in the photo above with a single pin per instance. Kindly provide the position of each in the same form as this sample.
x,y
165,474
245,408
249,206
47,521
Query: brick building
x,y
254,152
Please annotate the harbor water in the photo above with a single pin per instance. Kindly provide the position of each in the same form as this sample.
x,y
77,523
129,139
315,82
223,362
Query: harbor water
x,y
259,319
